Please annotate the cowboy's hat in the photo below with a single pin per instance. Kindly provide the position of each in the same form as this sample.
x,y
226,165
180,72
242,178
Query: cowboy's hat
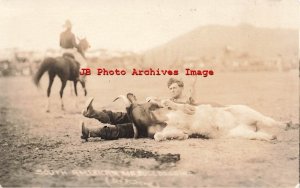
x,y
67,24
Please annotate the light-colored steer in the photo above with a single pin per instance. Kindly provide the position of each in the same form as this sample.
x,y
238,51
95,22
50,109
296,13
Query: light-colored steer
x,y
232,121
164,119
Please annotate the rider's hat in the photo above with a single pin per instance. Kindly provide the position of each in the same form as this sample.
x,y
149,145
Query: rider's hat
x,y
67,24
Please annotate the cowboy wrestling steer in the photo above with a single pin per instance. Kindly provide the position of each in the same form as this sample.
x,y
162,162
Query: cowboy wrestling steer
x,y
141,122
182,121
164,119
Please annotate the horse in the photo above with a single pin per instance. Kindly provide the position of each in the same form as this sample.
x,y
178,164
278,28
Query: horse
x,y
66,68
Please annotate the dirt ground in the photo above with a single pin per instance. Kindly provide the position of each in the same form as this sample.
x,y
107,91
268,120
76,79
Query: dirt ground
x,y
45,149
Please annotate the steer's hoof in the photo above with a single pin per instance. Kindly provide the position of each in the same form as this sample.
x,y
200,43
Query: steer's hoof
x,y
274,137
185,136
158,137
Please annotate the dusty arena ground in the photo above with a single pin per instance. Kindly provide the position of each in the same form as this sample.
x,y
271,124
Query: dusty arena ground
x,y
45,149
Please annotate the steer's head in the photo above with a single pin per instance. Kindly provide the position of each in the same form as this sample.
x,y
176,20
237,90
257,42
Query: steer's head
x,y
143,115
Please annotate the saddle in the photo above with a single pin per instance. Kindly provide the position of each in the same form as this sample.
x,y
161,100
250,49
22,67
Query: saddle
x,y
70,55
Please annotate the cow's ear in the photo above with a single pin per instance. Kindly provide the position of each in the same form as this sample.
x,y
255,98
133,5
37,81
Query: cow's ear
x,y
131,97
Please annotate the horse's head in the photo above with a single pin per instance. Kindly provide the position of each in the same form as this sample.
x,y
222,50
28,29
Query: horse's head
x,y
83,44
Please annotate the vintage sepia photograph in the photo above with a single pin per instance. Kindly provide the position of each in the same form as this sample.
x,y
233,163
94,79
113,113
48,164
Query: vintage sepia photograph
x,y
140,93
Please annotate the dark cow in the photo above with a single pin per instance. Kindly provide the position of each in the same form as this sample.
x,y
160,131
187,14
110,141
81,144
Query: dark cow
x,y
143,116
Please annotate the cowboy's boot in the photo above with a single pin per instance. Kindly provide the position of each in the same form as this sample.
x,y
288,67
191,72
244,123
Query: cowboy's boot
x,y
108,133
90,112
88,109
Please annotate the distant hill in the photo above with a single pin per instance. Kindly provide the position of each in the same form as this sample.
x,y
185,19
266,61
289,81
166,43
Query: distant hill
x,y
212,41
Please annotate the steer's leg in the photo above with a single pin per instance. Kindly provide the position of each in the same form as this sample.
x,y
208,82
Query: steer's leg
x,y
170,133
267,122
153,129
261,120
243,131
269,126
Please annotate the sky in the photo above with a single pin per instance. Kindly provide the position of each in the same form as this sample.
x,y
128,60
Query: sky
x,y
132,25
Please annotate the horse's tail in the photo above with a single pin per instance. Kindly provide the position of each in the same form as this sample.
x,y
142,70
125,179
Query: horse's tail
x,y
45,66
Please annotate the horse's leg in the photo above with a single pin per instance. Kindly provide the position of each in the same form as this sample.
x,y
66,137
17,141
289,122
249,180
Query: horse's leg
x,y
82,82
71,90
75,89
51,79
63,85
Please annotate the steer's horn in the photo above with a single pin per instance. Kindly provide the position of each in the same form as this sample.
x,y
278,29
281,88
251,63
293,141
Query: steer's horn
x,y
151,99
126,101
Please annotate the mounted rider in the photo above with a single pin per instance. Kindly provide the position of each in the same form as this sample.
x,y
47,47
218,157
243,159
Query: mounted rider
x,y
68,43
